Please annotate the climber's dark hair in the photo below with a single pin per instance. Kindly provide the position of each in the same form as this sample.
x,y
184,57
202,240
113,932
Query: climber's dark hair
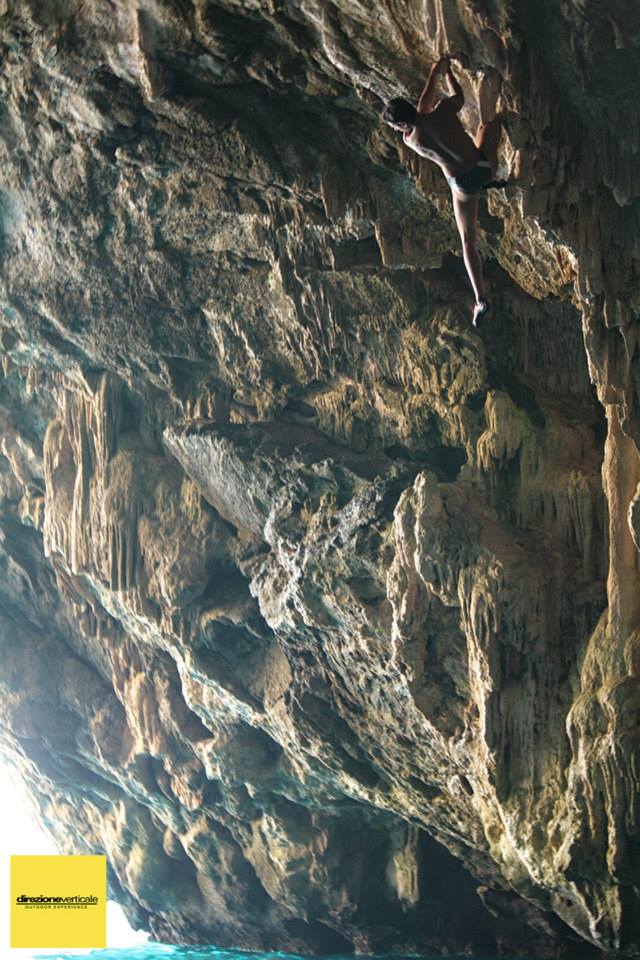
x,y
399,110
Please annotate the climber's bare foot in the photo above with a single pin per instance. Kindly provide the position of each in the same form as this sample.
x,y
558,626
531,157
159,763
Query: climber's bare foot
x,y
481,308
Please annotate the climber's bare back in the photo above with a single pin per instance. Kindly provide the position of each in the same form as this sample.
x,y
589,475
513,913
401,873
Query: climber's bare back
x,y
439,136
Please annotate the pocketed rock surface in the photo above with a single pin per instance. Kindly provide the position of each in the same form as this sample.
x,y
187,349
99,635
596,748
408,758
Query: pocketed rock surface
x,y
319,609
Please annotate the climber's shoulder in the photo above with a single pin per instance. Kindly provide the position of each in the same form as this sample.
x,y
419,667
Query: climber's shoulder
x,y
446,110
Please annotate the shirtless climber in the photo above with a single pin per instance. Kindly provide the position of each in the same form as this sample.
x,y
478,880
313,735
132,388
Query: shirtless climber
x,y
435,132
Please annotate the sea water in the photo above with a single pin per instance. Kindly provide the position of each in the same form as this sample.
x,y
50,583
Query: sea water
x,y
160,951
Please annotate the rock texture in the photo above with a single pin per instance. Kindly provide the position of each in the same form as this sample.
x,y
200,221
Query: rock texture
x,y
319,609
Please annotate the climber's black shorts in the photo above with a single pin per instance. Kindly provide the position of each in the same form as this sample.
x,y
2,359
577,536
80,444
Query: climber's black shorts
x,y
473,180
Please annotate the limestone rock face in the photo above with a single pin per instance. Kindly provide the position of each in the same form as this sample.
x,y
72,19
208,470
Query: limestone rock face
x,y
320,609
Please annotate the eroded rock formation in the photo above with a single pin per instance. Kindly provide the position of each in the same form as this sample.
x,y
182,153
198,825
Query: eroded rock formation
x,y
319,609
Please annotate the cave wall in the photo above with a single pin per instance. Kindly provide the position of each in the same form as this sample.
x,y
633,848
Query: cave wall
x,y
319,608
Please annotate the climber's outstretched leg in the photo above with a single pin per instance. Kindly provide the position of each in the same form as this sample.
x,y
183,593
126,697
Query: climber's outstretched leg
x,y
488,139
465,208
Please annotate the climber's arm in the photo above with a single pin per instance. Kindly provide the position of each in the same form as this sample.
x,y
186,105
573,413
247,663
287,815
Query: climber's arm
x,y
428,95
457,98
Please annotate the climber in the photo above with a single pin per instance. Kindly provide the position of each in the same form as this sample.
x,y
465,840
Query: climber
x,y
434,131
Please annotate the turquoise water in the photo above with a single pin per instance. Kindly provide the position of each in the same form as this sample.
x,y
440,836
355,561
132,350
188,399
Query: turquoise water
x,y
159,951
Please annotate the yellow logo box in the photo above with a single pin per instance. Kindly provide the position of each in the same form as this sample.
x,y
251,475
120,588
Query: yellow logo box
x,y
59,901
